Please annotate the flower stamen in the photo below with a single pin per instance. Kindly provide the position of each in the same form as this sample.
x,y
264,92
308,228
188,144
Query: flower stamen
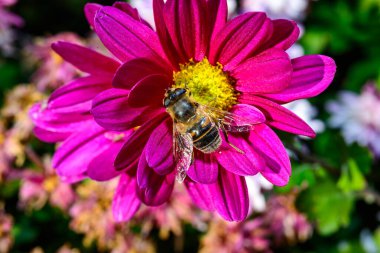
x,y
209,85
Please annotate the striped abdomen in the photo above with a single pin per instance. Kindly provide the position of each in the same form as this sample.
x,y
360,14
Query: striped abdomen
x,y
205,135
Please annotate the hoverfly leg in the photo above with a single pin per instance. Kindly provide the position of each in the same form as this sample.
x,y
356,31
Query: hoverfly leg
x,y
229,143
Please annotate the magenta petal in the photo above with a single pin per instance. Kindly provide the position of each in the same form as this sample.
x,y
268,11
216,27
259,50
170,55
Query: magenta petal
x,y
246,164
273,152
153,189
89,143
49,136
76,96
85,59
267,72
135,70
73,178
312,74
101,168
217,12
90,10
251,114
204,169
239,39
51,125
230,196
184,19
125,201
158,194
112,111
128,9
149,91
171,21
200,194
126,37
164,36
145,174
285,34
278,116
135,144
159,148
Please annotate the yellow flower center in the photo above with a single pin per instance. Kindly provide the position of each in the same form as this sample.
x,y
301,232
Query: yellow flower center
x,y
208,84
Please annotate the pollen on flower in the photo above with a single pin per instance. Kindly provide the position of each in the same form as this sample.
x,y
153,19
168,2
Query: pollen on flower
x,y
209,85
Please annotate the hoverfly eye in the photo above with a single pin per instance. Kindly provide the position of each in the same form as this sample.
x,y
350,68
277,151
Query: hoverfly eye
x,y
166,102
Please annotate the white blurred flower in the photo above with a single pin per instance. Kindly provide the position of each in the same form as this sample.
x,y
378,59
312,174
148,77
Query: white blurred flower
x,y
289,9
358,116
145,8
256,184
367,241
307,112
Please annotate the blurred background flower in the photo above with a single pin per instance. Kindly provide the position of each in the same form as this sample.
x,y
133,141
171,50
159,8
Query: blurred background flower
x,y
358,116
6,223
7,22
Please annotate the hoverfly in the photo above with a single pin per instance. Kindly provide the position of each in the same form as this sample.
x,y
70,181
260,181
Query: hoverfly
x,y
198,126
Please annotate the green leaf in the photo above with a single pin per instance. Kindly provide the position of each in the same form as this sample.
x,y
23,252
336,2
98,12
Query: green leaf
x,y
350,246
328,206
315,42
376,238
351,179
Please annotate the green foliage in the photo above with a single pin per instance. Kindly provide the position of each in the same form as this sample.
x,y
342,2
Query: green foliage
x,y
349,30
326,204
352,178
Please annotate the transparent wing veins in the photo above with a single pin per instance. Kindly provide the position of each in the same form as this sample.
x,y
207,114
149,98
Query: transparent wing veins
x,y
183,153
229,121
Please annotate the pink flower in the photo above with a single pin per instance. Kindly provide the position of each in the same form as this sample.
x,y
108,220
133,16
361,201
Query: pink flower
x,y
286,223
239,65
38,187
6,224
243,237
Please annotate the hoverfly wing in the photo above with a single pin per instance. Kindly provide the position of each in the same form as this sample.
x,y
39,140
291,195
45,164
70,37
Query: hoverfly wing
x,y
183,153
230,121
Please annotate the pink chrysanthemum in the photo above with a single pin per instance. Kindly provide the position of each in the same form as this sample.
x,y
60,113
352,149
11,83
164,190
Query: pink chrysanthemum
x,y
240,65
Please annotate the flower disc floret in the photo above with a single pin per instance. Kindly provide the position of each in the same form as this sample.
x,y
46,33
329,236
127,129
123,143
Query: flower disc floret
x,y
209,85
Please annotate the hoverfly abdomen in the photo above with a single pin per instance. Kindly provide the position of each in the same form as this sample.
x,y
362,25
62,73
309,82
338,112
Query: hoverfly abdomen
x,y
205,135
209,141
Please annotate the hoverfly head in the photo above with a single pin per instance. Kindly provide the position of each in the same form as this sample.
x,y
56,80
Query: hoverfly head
x,y
172,95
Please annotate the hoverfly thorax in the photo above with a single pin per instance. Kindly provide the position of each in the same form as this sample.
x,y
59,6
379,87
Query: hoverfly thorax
x,y
179,105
